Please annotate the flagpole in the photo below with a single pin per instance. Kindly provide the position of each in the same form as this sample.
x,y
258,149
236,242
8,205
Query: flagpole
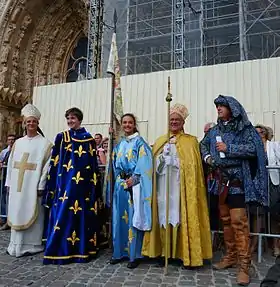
x,y
112,145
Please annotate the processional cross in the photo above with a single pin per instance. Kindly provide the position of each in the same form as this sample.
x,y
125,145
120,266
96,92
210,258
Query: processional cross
x,y
23,166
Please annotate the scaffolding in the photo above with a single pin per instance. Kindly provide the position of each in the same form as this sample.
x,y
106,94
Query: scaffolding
x,y
156,35
95,34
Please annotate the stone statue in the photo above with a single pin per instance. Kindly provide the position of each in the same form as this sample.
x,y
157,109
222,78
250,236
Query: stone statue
x,y
11,119
8,35
14,79
3,74
2,118
16,57
25,23
5,54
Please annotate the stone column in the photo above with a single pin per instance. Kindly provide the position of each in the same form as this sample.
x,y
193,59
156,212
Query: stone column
x,y
2,123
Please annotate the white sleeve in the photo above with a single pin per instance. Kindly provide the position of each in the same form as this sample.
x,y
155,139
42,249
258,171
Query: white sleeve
x,y
160,163
44,174
2,155
10,167
276,147
206,157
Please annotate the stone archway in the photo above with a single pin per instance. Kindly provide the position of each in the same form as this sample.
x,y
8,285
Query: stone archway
x,y
36,37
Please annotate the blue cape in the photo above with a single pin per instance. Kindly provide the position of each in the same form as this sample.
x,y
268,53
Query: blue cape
x,y
254,170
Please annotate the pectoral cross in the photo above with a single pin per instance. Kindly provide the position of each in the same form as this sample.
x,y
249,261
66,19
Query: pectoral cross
x,y
22,166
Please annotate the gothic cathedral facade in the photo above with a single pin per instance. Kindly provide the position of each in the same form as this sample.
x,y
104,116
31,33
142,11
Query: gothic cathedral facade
x,y
37,39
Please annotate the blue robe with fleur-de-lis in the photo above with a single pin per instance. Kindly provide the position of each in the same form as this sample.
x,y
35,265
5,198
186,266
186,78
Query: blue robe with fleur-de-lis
x,y
73,196
131,215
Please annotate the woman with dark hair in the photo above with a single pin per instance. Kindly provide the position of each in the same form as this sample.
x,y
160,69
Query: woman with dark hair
x,y
132,169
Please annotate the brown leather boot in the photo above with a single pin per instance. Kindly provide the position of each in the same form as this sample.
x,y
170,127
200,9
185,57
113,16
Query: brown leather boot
x,y
239,222
230,259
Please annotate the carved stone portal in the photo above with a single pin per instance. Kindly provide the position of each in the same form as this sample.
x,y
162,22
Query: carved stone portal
x,y
35,42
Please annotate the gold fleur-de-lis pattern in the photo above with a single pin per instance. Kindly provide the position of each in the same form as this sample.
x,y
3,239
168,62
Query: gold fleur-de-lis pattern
x,y
142,152
94,239
69,165
76,207
125,217
130,155
56,227
64,197
130,235
52,194
55,160
68,148
80,151
73,239
72,178
78,177
95,207
91,150
94,178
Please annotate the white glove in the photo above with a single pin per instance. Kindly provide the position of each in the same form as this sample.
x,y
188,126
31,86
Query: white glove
x,y
166,150
209,160
168,160
176,162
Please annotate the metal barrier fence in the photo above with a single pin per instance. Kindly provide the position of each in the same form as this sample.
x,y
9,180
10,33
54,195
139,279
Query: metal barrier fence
x,y
263,224
272,219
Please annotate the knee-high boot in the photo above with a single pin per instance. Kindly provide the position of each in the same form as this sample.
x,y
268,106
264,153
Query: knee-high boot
x,y
239,222
230,259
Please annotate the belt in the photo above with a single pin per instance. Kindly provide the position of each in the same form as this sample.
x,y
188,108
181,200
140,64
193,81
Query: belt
x,y
232,183
124,175
223,180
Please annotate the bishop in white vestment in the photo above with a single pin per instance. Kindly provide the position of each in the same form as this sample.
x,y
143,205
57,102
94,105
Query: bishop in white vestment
x,y
26,178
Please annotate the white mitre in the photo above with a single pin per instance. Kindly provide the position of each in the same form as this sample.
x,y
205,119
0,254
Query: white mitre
x,y
180,110
30,111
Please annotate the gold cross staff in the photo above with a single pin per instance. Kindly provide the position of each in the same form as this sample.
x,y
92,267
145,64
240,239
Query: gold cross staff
x,y
23,166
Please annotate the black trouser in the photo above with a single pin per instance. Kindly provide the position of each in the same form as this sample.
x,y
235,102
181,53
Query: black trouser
x,y
235,201
232,200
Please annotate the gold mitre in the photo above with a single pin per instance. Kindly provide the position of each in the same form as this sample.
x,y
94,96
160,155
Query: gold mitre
x,y
181,110
30,111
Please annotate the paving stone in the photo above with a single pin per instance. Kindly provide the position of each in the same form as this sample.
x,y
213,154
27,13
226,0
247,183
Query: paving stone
x,y
59,283
95,285
110,284
118,279
132,283
29,271
150,285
